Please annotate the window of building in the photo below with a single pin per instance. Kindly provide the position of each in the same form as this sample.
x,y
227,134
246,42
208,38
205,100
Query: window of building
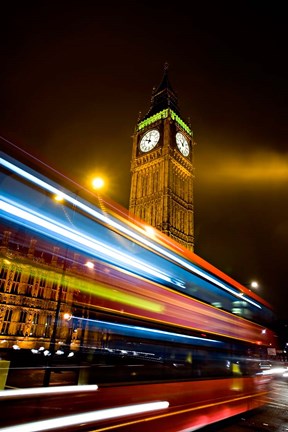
x,y
6,321
17,276
23,316
3,273
14,289
8,315
31,280
3,277
64,292
54,291
41,292
29,290
48,325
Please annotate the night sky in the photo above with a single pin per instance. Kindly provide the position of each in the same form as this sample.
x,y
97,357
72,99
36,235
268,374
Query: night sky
x,y
74,76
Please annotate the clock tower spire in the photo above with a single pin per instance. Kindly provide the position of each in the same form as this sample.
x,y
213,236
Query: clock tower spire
x,y
162,167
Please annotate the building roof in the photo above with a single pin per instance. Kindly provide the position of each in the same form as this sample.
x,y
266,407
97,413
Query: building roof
x,y
163,97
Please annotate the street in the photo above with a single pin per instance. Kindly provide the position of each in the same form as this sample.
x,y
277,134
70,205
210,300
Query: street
x,y
273,417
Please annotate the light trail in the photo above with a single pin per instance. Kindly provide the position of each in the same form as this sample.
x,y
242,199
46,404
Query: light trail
x,y
110,222
89,417
26,392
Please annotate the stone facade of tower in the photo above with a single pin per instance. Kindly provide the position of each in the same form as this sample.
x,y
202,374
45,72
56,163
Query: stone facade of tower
x,y
162,168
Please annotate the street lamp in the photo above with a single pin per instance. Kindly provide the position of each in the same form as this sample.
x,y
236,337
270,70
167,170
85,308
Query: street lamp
x,y
52,349
252,285
97,184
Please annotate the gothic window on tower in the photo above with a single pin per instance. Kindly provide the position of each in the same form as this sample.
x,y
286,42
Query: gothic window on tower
x,y
181,191
155,181
181,220
139,187
177,185
144,185
154,221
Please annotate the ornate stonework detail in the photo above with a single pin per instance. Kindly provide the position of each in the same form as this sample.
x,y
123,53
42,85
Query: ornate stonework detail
x,y
162,180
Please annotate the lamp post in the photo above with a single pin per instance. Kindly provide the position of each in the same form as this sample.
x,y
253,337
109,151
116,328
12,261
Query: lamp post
x,y
97,184
52,350
85,312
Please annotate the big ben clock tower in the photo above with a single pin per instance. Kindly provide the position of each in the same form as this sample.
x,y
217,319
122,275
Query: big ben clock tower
x,y
162,168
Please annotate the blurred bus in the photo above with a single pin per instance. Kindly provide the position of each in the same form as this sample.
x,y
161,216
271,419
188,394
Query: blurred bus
x,y
105,318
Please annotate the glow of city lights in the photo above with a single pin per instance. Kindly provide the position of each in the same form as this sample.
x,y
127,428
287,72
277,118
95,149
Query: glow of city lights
x,y
89,417
110,222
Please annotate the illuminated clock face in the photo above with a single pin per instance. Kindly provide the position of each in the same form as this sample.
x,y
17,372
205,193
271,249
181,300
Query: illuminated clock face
x,y
182,144
149,140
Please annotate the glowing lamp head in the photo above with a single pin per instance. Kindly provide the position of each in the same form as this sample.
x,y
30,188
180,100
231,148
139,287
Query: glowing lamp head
x,y
97,183
150,231
59,198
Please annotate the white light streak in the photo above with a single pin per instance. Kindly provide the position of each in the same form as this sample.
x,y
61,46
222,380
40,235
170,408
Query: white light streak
x,y
148,330
93,245
44,391
110,222
89,417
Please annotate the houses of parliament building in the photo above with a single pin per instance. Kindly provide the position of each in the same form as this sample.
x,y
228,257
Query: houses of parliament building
x,y
37,285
